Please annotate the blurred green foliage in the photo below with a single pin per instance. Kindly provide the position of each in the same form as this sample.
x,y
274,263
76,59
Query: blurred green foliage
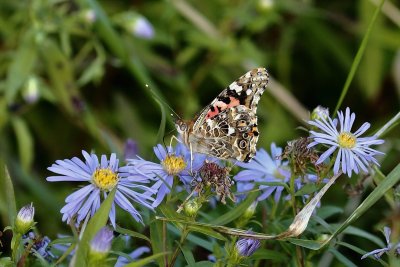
x,y
73,76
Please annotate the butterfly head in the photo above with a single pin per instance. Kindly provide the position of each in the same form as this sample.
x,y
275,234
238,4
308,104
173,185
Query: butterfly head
x,y
181,126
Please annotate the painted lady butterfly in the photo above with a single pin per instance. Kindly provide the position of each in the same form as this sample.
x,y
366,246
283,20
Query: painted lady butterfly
x,y
227,128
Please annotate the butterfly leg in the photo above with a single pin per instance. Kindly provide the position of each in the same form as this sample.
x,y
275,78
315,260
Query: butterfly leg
x,y
174,138
191,160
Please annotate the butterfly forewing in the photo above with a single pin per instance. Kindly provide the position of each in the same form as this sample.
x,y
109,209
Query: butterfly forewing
x,y
227,128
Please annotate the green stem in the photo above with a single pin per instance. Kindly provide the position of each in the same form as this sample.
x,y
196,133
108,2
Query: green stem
x,y
15,246
387,125
185,233
358,57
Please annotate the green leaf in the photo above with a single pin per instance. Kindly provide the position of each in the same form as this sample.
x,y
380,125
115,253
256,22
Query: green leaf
x,y
21,66
206,231
358,250
7,196
310,244
157,238
328,211
25,142
351,230
98,221
342,258
203,264
131,233
60,72
206,244
378,193
187,253
372,65
266,254
145,261
235,212
358,56
306,190
6,262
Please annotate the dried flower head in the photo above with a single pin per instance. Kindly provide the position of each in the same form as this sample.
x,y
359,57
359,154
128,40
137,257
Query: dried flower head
x,y
301,156
215,177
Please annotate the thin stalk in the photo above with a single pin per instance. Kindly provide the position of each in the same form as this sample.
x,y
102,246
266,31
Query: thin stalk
x,y
358,57
185,233
387,125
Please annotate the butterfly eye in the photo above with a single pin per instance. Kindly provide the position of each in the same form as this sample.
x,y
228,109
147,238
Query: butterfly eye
x,y
183,126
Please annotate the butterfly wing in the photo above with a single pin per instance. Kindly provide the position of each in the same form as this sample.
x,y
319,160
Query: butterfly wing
x,y
246,91
231,134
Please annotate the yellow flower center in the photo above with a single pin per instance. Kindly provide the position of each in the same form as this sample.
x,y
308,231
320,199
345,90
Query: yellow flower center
x,y
173,164
347,140
105,179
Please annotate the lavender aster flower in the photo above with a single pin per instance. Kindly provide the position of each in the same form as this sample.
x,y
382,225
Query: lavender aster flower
x,y
377,253
102,177
172,163
39,245
354,152
263,168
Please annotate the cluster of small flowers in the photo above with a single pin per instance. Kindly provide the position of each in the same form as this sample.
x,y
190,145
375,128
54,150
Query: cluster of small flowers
x,y
147,183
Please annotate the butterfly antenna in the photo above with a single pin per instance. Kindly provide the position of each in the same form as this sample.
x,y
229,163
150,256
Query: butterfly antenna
x,y
163,102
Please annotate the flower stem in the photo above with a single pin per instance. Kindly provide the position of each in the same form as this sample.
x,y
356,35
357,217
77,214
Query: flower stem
x,y
15,246
185,233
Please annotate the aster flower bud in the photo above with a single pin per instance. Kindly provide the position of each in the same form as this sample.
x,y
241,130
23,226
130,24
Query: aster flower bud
x,y
320,113
100,245
247,246
135,24
142,28
191,207
24,221
249,212
31,92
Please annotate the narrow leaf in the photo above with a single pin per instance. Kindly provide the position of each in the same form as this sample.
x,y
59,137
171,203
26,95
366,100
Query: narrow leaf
x,y
237,211
7,195
131,233
25,142
378,193
98,221
145,261
21,66
157,238
187,253
342,258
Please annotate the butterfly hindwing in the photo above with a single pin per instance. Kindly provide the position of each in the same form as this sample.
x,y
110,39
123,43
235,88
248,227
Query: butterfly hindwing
x,y
232,134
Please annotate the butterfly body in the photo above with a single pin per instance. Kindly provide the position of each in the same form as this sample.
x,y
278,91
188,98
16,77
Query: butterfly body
x,y
227,128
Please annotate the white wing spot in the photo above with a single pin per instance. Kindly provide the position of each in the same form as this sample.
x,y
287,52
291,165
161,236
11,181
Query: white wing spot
x,y
248,91
236,87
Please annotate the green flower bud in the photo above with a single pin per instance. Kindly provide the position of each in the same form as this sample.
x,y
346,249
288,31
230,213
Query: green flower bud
x,y
24,221
191,208
320,113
